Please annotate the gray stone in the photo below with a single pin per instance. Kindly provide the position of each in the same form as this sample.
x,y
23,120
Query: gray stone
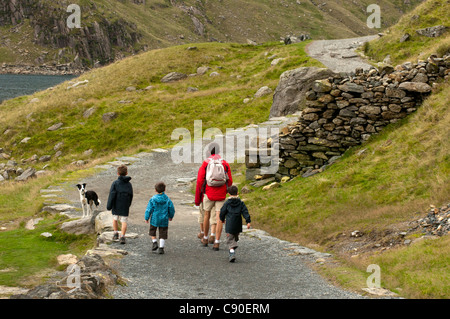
x,y
28,173
351,87
290,93
173,76
432,32
415,87
103,222
83,226
202,70
265,90
107,117
55,127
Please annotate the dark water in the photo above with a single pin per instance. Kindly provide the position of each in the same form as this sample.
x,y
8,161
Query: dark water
x,y
14,85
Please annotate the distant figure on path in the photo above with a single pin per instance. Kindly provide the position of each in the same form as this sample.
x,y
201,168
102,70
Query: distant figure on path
x,y
160,211
213,178
231,213
119,201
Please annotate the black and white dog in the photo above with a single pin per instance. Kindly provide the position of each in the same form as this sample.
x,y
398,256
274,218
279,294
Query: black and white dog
x,y
87,199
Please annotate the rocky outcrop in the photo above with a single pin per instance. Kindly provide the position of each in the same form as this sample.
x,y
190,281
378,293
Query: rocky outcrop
x,y
98,42
344,111
89,278
289,96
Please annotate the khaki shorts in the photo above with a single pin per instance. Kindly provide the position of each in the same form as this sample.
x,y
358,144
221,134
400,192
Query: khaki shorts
x,y
208,205
201,216
122,219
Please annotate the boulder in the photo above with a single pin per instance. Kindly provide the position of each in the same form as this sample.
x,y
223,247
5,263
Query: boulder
x,y
28,173
107,117
432,32
89,112
103,222
83,226
265,90
289,96
173,76
55,127
202,70
271,186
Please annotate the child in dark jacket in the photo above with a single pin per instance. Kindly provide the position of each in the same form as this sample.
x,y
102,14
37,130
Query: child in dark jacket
x,y
119,201
231,212
160,211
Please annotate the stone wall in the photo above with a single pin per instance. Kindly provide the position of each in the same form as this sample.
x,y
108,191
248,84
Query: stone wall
x,y
345,110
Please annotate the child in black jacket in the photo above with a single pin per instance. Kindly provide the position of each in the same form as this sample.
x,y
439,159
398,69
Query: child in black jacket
x,y
119,201
232,211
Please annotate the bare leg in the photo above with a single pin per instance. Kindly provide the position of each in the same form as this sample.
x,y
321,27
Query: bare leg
x,y
115,225
206,223
219,227
124,228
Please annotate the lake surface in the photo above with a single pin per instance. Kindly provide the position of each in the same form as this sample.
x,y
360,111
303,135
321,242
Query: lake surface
x,y
14,85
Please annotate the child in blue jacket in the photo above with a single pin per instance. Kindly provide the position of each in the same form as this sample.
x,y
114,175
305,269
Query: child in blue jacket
x,y
160,211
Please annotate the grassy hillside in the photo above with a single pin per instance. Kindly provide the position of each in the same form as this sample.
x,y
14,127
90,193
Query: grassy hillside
x,y
147,117
163,23
428,14
375,188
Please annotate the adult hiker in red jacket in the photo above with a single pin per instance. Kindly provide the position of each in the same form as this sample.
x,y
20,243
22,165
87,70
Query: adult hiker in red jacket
x,y
212,197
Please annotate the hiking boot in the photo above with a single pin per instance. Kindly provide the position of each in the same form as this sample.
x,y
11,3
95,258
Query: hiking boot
x,y
216,247
205,242
232,258
211,239
161,250
115,236
122,240
155,246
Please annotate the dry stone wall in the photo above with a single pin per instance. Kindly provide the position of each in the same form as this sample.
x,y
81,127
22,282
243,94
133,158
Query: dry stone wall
x,y
343,111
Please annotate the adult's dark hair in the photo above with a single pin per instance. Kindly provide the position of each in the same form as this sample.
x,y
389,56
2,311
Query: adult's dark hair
x,y
233,190
160,187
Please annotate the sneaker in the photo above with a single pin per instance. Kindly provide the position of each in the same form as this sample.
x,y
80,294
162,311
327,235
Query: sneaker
x,y
161,251
232,258
211,239
155,246
205,242
216,247
122,240
116,236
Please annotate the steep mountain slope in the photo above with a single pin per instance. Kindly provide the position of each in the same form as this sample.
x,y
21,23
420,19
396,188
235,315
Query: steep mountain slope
x,y
35,31
402,42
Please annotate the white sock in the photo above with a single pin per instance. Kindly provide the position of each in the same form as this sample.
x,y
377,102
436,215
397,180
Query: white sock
x,y
161,243
212,234
205,237
216,241
232,251
154,240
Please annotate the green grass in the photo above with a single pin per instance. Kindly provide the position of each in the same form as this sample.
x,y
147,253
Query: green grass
x,y
402,171
26,256
427,14
419,271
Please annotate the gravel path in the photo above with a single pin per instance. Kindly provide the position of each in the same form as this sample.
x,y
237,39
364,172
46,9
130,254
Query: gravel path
x,y
266,267
339,55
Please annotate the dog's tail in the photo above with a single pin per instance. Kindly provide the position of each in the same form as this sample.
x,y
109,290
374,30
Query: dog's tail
x,y
98,202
